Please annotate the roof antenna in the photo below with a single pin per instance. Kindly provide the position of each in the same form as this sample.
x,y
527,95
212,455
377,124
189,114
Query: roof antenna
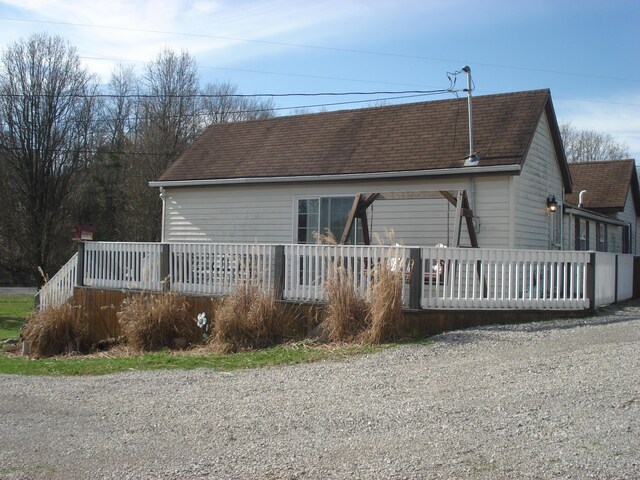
x,y
472,159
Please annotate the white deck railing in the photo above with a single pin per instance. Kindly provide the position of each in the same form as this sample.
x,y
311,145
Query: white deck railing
x,y
123,265
59,288
504,279
217,269
445,278
307,267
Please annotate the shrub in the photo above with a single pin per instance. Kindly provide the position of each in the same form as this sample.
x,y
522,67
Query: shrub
x,y
248,318
346,312
57,330
153,322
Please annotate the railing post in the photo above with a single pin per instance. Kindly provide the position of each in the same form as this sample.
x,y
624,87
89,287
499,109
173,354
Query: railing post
x,y
278,272
80,265
165,278
415,279
591,281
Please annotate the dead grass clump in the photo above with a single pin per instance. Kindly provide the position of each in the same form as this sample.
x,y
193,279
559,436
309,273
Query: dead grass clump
x,y
249,318
346,314
57,330
385,304
153,322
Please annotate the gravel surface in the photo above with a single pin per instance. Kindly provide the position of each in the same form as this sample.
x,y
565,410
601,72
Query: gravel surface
x,y
558,399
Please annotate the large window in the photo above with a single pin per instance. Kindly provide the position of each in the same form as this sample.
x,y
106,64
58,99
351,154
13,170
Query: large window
x,y
325,214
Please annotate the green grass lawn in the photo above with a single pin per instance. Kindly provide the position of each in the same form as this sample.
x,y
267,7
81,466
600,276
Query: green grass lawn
x,y
166,360
13,310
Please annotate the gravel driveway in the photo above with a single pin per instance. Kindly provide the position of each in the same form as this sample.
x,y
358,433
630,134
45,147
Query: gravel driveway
x,y
558,399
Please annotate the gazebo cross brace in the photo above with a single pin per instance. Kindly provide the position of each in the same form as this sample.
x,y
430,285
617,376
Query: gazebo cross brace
x,y
457,198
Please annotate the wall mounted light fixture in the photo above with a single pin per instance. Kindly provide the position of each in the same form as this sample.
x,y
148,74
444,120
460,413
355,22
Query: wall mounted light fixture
x,y
552,204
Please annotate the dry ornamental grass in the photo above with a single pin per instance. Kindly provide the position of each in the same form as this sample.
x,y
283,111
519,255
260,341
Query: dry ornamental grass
x,y
153,322
57,330
347,312
249,318
374,318
385,305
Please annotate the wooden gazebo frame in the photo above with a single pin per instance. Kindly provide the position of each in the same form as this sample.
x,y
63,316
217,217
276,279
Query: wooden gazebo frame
x,y
457,198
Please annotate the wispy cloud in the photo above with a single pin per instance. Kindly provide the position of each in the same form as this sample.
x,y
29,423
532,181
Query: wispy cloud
x,y
618,116
136,31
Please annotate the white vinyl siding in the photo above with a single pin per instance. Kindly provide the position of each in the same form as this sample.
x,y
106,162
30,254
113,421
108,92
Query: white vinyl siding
x,y
540,177
629,216
267,213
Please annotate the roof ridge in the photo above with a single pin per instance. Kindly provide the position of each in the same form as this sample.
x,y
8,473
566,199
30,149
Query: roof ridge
x,y
391,106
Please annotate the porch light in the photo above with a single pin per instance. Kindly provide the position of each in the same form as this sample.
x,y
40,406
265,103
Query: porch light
x,y
552,204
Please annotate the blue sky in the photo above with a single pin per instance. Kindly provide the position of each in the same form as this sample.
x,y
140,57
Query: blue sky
x,y
586,52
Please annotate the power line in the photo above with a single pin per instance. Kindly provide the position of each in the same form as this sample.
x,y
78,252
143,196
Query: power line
x,y
266,72
120,152
230,95
321,47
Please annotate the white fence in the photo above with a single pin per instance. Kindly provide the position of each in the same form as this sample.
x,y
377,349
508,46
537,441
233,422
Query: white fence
x,y
59,288
134,266
217,269
614,278
504,279
442,278
625,277
307,268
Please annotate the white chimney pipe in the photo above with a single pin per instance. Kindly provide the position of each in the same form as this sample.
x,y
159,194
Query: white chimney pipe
x,y
472,159
581,198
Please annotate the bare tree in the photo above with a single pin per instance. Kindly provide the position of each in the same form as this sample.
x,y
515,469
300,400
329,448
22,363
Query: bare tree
x,y
590,145
221,103
47,112
169,105
168,120
119,109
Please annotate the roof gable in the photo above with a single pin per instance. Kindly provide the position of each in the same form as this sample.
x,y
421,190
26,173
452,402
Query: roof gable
x,y
607,185
400,138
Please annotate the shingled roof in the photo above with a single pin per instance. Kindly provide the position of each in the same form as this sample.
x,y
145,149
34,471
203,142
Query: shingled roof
x,y
607,184
415,137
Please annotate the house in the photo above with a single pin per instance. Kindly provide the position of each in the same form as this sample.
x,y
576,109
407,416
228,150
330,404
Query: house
x,y
242,205
280,180
602,212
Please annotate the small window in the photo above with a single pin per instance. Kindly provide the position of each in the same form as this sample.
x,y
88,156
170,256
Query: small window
x,y
582,234
626,239
601,237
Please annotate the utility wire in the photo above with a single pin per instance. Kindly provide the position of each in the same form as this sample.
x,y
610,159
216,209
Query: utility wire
x,y
121,152
229,95
319,47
